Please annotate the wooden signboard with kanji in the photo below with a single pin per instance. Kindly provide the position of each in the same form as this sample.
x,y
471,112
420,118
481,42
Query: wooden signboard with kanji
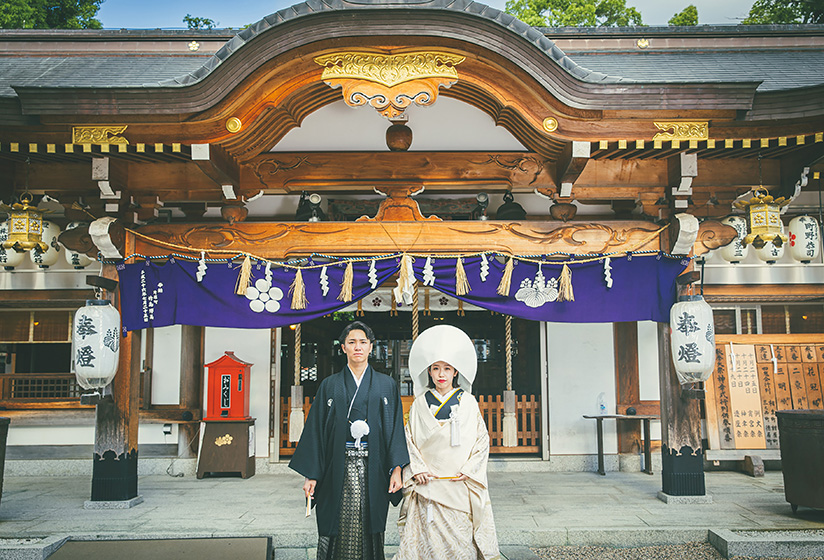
x,y
754,376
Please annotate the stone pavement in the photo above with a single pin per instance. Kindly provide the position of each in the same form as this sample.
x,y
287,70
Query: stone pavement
x,y
532,509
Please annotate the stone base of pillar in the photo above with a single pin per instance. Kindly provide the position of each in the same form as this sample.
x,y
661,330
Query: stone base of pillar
x,y
114,477
682,471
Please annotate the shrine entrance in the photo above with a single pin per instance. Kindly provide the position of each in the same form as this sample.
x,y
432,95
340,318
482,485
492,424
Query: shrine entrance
x,y
320,356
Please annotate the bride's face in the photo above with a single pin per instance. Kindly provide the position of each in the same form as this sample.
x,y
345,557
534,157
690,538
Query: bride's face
x,y
442,375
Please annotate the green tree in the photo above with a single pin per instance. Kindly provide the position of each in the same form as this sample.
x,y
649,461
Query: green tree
x,y
785,11
199,22
49,14
575,13
688,16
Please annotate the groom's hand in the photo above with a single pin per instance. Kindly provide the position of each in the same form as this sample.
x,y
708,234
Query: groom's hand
x,y
309,487
395,481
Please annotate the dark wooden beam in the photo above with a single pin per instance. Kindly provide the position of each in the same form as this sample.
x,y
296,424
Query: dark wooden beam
x,y
191,391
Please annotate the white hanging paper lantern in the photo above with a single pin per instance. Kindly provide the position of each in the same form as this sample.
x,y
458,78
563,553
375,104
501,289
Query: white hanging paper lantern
x,y
77,260
770,253
735,251
95,344
50,256
692,339
805,238
9,258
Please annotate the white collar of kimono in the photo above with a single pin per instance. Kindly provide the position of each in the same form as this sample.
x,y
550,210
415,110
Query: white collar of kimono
x,y
447,344
443,398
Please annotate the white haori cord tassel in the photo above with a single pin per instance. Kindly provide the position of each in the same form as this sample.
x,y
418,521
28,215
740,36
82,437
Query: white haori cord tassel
x,y
455,426
359,429
430,514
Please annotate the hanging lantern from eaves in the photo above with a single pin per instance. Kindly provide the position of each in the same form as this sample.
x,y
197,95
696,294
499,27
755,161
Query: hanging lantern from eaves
x,y
95,344
736,251
692,339
75,259
25,226
805,238
764,217
49,257
9,258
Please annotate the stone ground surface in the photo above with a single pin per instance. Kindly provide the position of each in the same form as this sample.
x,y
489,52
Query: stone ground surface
x,y
535,512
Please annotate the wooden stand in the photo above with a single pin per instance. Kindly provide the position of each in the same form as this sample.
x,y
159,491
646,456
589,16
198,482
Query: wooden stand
x,y
644,418
228,447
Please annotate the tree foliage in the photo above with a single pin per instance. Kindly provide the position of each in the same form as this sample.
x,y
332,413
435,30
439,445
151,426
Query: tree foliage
x,y
49,14
575,13
785,11
198,22
687,16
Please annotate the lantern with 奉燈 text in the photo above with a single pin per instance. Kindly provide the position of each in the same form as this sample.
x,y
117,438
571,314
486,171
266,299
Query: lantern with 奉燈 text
x,y
805,238
75,259
692,339
95,344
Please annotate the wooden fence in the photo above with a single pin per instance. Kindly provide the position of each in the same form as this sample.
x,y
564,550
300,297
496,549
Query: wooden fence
x,y
527,413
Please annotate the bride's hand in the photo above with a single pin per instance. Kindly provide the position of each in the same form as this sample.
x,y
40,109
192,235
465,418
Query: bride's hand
x,y
423,478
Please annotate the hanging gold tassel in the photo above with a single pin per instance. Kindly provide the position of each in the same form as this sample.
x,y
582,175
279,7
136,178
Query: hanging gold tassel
x,y
506,278
426,310
346,286
298,291
461,312
393,312
244,277
565,287
461,282
359,312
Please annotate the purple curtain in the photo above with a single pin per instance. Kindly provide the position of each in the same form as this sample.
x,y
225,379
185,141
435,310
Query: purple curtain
x,y
155,294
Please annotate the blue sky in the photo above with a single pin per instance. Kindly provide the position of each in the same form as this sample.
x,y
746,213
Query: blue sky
x,y
168,14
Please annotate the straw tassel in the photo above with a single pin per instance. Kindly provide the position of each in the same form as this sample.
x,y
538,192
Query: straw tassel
x,y
461,282
244,277
565,288
506,278
346,285
298,291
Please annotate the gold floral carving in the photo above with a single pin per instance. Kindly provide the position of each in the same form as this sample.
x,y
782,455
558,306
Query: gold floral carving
x,y
99,134
389,83
224,440
682,130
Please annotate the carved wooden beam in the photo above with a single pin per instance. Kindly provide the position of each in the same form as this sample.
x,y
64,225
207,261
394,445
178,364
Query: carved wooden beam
x,y
283,240
294,172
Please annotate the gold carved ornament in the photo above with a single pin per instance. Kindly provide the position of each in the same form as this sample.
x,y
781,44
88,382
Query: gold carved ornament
x,y
682,130
100,134
224,440
389,82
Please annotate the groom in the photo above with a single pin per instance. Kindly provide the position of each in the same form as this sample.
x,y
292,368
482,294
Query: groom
x,y
351,453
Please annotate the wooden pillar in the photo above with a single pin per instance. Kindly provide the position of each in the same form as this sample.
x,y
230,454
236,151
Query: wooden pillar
x,y
191,387
114,468
682,470
627,388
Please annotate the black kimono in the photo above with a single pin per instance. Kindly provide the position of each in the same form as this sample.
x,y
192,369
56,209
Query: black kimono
x,y
320,452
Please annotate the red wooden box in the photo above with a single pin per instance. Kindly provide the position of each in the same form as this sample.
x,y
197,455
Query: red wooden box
x,y
228,390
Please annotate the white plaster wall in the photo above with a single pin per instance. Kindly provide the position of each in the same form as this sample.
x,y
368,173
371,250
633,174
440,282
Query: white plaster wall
x,y
449,124
166,365
249,345
581,365
50,435
648,368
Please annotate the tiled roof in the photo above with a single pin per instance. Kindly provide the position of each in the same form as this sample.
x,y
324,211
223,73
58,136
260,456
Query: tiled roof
x,y
91,71
777,70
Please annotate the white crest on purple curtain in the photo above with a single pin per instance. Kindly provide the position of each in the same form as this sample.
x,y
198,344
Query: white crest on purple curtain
x,y
263,296
537,292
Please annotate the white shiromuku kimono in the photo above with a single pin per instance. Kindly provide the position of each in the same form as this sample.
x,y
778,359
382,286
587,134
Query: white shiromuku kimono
x,y
444,519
